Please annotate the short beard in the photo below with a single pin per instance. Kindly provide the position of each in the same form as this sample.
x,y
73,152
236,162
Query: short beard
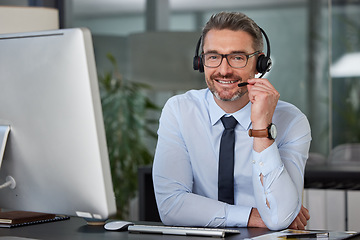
x,y
236,96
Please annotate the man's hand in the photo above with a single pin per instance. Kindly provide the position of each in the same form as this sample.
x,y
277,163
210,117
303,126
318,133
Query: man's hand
x,y
301,220
255,219
299,223
264,98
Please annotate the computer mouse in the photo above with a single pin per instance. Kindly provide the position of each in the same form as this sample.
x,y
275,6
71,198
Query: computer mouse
x,y
117,225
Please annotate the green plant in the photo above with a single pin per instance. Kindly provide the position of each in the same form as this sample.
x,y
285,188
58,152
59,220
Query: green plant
x,y
125,106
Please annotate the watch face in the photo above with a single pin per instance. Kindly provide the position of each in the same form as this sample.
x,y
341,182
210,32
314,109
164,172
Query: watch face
x,y
273,131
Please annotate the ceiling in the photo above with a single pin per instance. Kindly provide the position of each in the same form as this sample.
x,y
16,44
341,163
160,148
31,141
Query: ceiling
x,y
93,8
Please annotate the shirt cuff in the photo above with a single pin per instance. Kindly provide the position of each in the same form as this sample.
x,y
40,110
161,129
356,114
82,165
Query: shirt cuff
x,y
237,216
267,160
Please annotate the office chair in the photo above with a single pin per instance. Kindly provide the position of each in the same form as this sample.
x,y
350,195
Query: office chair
x,y
348,153
316,159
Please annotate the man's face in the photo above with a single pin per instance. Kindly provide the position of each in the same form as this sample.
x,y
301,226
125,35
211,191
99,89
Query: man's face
x,y
223,80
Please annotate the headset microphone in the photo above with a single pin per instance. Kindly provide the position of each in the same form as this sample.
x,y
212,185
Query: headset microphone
x,y
263,64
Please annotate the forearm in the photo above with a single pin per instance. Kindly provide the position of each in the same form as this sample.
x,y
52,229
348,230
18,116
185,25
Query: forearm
x,y
276,194
179,205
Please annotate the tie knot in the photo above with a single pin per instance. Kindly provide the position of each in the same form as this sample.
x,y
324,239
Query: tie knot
x,y
229,122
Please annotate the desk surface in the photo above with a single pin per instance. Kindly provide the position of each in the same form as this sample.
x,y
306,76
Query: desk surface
x,y
76,228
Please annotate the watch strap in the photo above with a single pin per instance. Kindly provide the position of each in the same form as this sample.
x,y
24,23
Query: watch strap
x,y
261,133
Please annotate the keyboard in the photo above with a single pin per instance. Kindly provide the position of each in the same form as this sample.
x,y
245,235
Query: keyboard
x,y
187,231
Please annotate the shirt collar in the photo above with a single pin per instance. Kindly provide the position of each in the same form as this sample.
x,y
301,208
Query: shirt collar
x,y
215,112
243,116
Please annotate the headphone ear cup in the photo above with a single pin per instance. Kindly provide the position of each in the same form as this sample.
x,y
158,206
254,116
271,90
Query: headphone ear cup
x,y
263,64
197,64
197,61
201,65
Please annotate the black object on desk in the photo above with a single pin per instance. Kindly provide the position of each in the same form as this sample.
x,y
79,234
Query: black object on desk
x,y
333,176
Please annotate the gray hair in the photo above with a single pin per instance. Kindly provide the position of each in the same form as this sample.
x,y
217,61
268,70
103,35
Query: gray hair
x,y
234,21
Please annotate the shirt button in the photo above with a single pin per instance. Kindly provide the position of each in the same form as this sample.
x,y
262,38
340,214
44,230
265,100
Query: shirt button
x,y
261,164
253,161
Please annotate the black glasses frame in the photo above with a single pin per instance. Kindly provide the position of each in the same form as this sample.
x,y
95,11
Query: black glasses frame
x,y
226,57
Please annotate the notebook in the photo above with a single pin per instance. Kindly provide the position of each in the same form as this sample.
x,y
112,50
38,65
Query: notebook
x,y
192,231
22,218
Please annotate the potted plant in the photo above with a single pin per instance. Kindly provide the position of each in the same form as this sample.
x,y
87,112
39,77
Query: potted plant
x,y
125,107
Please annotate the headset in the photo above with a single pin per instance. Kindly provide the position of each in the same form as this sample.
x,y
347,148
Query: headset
x,y
263,64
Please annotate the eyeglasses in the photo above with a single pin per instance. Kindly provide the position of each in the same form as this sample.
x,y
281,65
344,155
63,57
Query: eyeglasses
x,y
235,60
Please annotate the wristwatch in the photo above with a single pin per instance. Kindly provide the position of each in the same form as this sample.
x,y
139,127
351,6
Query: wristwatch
x,y
270,132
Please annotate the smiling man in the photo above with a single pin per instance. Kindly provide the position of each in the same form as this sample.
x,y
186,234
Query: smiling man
x,y
228,155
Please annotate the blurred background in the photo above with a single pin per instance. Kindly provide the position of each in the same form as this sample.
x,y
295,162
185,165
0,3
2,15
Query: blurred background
x,y
315,48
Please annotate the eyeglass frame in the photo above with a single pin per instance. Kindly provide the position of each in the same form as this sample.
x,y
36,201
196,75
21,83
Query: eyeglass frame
x,y
226,57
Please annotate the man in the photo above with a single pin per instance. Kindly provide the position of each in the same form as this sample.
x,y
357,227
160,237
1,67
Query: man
x,y
267,173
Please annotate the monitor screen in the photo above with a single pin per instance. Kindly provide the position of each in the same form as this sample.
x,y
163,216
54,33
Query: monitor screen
x,y
56,149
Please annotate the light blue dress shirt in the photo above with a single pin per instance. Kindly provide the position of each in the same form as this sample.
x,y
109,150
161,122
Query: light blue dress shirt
x,y
185,170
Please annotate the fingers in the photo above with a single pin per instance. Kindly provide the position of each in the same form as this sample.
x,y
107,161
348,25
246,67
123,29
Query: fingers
x,y
297,225
301,219
306,213
260,83
300,224
257,87
264,98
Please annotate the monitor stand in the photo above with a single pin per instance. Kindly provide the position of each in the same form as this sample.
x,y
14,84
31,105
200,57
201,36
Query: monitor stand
x,y
4,133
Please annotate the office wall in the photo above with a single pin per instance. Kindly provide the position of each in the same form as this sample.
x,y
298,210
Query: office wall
x,y
27,19
164,62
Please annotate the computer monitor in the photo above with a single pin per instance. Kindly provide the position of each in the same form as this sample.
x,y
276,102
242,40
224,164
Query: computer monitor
x,y
56,149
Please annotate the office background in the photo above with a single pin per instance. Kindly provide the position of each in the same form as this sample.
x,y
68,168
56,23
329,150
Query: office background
x,y
154,42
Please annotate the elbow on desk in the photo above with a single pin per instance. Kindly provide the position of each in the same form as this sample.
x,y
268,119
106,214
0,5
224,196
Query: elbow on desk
x,y
170,219
280,215
166,212
277,226
281,222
